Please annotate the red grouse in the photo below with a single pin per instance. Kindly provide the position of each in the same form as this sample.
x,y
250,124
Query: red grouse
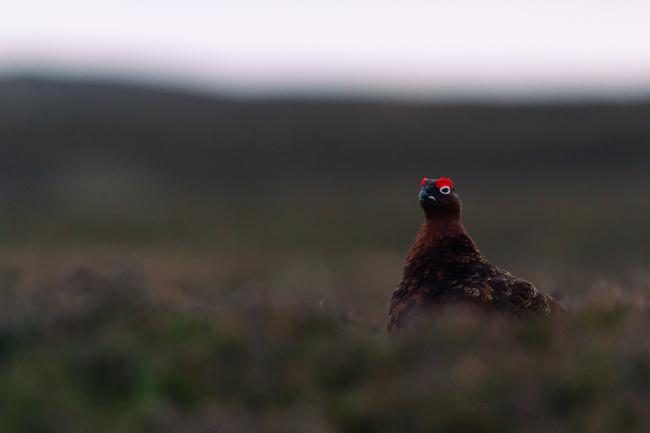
x,y
445,267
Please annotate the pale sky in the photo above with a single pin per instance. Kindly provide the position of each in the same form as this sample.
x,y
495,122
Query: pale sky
x,y
380,47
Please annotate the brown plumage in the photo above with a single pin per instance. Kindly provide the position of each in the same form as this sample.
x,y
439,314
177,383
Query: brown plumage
x,y
444,267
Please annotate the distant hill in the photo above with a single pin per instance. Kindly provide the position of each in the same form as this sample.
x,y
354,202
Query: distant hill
x,y
47,125
154,155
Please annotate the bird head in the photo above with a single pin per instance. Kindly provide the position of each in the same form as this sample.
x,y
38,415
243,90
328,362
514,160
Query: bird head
x,y
438,197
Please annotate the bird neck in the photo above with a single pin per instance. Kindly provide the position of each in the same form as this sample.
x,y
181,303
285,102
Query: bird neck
x,y
439,233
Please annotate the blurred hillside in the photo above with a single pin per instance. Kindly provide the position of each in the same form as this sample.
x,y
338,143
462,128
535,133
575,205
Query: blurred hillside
x,y
106,163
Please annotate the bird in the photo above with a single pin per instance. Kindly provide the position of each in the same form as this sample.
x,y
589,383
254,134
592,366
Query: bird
x,y
444,267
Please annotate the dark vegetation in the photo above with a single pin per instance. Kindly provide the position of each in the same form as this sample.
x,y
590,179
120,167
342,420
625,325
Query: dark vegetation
x,y
114,351
178,262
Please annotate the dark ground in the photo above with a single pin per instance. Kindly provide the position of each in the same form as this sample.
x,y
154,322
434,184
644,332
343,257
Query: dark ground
x,y
178,262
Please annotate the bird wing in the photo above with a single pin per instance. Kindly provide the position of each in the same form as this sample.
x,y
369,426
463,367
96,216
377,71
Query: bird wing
x,y
484,286
520,298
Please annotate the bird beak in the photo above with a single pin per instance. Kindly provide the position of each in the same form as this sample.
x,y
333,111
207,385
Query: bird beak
x,y
425,196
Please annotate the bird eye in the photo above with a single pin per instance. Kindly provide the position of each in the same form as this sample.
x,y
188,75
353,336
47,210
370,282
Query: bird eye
x,y
445,190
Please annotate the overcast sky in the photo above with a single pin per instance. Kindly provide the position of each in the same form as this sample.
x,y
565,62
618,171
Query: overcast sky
x,y
383,47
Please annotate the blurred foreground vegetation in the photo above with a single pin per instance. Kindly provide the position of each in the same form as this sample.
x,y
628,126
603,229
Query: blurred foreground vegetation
x,y
176,347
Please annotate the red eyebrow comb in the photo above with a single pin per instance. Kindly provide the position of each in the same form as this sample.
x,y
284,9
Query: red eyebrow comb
x,y
444,181
424,180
